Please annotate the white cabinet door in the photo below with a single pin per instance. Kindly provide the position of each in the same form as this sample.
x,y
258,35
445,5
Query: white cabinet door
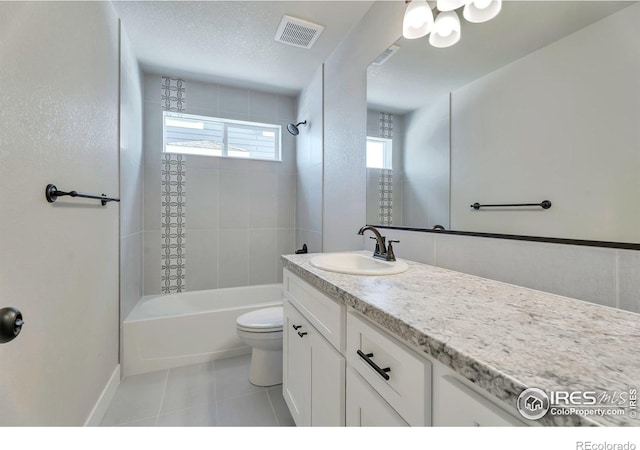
x,y
313,373
366,408
327,383
457,405
297,366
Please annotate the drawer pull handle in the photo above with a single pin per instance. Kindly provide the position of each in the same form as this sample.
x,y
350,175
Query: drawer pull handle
x,y
367,357
295,327
301,334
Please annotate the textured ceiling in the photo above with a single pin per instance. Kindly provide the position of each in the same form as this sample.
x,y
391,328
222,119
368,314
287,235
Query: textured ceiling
x,y
419,73
233,41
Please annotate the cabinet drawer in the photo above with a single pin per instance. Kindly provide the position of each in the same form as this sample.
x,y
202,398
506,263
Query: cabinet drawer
x,y
458,405
365,407
324,313
408,387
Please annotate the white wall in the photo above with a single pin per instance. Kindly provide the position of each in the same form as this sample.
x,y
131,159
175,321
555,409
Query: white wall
x,y
345,124
58,262
309,167
131,179
240,215
559,124
427,166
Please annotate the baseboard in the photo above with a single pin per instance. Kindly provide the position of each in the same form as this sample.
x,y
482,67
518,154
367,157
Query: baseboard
x,y
100,408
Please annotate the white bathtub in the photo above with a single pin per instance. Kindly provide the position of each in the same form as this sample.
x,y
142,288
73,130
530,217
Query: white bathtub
x,y
174,330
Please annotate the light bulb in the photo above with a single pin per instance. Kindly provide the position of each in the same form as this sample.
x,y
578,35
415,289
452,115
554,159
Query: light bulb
x,y
418,20
449,5
446,24
446,30
482,4
478,11
415,19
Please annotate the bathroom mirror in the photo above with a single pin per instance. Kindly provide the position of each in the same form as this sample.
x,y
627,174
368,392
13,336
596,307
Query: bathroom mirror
x,y
540,103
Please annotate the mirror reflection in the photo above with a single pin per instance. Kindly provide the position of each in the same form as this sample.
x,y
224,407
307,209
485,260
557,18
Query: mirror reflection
x,y
408,163
540,103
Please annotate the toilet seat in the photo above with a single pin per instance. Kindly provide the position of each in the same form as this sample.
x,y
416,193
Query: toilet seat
x,y
267,320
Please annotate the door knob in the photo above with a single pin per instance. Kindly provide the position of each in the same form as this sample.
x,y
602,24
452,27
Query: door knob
x,y
10,324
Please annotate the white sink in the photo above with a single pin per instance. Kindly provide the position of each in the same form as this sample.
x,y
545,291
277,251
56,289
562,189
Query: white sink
x,y
357,264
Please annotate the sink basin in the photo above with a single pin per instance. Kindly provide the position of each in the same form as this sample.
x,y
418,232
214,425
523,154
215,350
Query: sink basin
x,y
357,264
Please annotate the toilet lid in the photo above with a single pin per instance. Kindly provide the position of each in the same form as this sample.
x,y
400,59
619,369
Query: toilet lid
x,y
262,320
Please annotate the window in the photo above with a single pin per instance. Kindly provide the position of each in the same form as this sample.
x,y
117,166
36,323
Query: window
x,y
211,136
379,153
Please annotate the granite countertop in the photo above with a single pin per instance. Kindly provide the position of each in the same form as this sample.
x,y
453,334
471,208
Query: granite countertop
x,y
503,338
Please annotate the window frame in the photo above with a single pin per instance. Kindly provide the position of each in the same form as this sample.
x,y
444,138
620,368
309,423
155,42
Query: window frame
x,y
387,152
226,123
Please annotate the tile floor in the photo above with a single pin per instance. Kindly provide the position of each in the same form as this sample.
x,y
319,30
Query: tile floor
x,y
216,393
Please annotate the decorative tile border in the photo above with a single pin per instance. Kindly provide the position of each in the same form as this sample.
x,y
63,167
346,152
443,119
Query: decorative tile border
x,y
173,209
385,179
385,197
173,94
386,125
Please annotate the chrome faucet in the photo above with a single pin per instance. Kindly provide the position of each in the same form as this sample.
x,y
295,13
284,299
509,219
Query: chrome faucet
x,y
381,251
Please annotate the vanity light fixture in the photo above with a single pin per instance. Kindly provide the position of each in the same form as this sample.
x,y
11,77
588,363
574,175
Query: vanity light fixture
x,y
445,30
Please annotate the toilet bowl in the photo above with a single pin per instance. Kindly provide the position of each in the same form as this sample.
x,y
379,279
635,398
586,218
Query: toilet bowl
x,y
262,331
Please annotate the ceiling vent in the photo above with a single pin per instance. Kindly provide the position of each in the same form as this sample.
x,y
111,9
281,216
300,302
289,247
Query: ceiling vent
x,y
385,55
298,32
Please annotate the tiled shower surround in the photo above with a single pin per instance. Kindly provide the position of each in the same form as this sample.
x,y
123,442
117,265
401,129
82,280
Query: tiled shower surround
x,y
239,215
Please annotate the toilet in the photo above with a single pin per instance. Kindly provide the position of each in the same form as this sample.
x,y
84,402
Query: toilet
x,y
262,331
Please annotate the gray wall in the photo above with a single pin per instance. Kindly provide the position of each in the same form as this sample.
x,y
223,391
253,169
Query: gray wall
x,y
427,166
240,215
131,179
58,263
345,124
309,157
559,124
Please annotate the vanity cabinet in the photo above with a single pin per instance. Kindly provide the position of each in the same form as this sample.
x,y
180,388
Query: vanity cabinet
x,y
341,369
456,404
314,370
366,408
400,376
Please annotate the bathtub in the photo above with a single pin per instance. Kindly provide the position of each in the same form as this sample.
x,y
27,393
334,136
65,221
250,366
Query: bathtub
x,y
174,330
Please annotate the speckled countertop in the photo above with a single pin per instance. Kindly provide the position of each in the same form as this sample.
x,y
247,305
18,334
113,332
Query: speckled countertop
x,y
502,337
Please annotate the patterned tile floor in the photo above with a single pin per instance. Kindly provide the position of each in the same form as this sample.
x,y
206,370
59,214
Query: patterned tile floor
x,y
216,393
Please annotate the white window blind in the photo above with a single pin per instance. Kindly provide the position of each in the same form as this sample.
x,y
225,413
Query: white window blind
x,y
212,136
